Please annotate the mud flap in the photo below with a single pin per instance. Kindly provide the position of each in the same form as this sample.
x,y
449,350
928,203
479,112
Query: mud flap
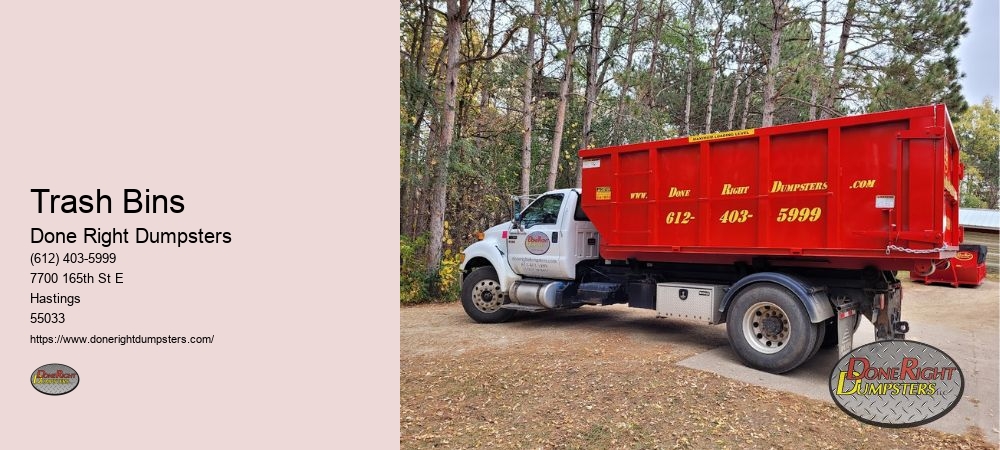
x,y
847,317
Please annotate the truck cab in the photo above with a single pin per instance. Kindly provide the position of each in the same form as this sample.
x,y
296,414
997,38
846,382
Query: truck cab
x,y
528,262
551,236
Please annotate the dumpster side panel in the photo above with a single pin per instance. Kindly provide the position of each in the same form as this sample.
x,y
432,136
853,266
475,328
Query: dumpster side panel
x,y
836,192
797,194
733,190
678,195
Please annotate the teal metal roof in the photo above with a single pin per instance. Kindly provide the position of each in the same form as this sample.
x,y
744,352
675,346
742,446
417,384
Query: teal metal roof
x,y
987,219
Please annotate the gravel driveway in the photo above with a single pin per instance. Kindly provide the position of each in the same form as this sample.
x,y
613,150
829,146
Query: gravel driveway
x,y
609,377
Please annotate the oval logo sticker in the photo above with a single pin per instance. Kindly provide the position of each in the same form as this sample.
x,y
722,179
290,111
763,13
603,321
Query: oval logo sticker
x,y
537,243
896,383
55,379
964,256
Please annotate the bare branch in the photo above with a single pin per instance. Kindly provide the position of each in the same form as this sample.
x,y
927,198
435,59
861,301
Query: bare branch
x,y
500,51
831,111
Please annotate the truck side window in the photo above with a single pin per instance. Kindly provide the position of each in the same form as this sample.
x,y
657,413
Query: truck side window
x,y
542,211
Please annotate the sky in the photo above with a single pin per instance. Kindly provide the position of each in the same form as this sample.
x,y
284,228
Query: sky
x,y
979,52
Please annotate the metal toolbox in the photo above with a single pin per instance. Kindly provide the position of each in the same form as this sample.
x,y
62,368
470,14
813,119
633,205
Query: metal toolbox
x,y
689,301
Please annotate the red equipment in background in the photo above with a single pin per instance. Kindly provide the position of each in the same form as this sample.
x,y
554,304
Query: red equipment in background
x,y
967,268
868,190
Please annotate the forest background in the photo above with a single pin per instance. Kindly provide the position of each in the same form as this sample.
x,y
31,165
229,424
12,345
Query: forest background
x,y
497,96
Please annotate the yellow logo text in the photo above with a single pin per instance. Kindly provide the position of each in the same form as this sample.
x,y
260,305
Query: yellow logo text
x,y
778,186
674,192
728,189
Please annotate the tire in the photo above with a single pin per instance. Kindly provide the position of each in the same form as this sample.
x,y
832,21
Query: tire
x,y
769,328
482,297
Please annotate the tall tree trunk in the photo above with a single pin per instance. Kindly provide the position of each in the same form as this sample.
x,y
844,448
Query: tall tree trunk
x,y
814,95
736,86
526,126
596,22
746,102
715,72
651,83
422,153
557,136
692,25
626,74
543,47
773,62
486,86
457,12
732,101
463,96
420,64
409,217
614,41
838,61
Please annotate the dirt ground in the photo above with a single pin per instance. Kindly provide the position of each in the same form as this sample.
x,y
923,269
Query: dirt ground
x,y
606,378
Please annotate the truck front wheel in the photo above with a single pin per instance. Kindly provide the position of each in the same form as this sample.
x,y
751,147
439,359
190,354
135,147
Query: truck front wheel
x,y
482,297
769,328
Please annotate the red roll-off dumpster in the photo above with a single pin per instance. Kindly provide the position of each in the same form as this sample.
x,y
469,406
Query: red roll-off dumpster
x,y
967,268
875,190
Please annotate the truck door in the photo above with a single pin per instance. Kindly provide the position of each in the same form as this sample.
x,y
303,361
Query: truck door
x,y
536,246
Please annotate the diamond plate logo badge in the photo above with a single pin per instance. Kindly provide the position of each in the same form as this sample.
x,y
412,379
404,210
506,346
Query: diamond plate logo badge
x,y
55,379
896,383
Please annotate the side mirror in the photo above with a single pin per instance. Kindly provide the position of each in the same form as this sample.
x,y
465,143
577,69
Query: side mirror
x,y
517,221
516,211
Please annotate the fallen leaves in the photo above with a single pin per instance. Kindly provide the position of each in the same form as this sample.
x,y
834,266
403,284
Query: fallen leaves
x,y
580,388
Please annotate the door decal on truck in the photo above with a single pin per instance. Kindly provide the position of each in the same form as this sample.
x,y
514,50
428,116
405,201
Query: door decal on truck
x,y
537,243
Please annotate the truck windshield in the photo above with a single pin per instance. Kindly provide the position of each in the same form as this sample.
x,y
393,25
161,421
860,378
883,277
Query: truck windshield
x,y
542,211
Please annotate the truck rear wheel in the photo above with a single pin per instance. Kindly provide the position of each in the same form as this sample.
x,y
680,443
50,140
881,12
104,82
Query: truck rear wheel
x,y
482,297
769,328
